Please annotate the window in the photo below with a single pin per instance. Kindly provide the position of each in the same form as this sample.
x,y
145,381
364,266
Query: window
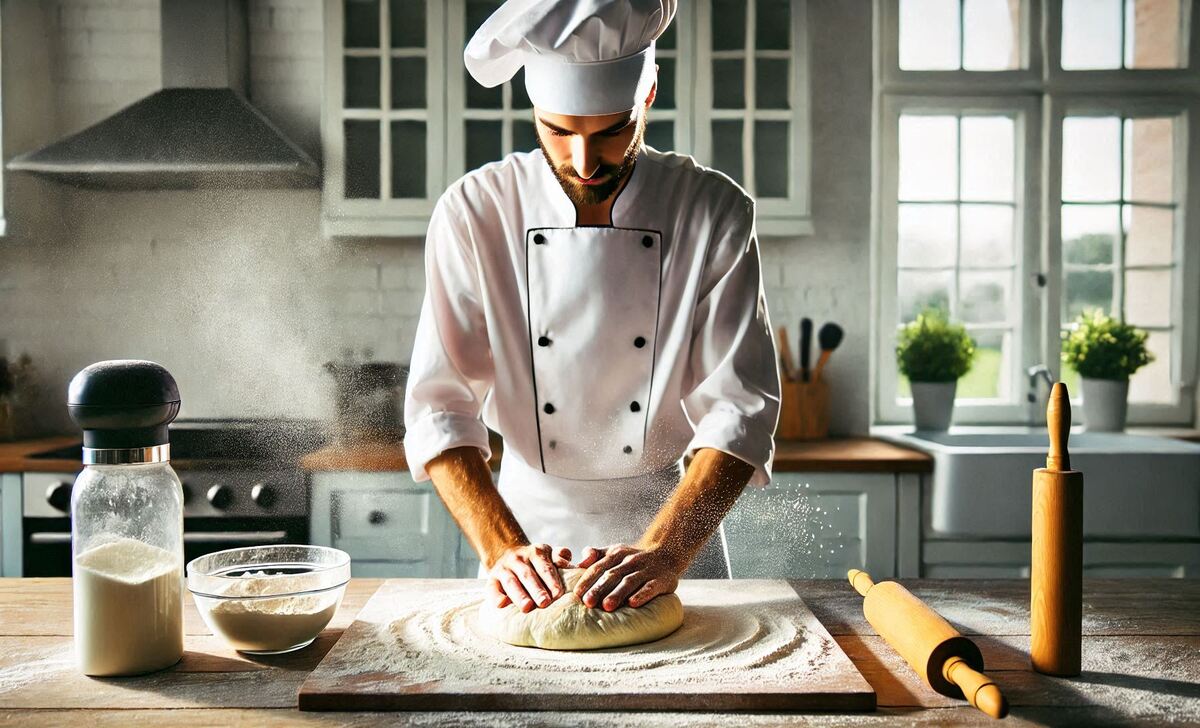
x,y
393,140
961,190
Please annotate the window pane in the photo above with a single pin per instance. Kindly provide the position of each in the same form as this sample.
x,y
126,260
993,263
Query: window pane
x,y
928,158
666,41
1149,235
984,296
362,24
987,235
919,290
772,25
1152,383
927,235
520,95
362,158
1091,158
728,25
771,156
1150,159
661,135
485,142
987,158
929,38
362,83
991,35
408,83
407,21
524,136
1091,34
665,95
1152,34
729,83
479,97
1148,297
727,148
989,375
408,159
1087,290
1089,233
771,83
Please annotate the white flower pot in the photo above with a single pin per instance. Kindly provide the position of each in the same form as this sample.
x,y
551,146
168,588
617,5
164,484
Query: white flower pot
x,y
1104,404
933,404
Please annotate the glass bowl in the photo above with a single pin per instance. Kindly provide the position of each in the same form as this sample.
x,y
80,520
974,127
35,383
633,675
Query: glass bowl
x,y
266,600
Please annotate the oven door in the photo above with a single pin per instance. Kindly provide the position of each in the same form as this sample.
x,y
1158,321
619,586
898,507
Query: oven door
x,y
47,541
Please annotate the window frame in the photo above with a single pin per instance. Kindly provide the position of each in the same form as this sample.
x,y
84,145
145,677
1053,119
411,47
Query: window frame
x,y
1026,113
792,215
1186,279
1055,92
1161,80
382,216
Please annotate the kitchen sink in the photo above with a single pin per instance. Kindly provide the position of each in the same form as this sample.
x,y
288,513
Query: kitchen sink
x,y
1135,486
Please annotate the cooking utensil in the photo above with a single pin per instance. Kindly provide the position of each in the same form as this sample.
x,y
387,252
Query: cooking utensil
x,y
1056,574
785,354
948,662
806,328
369,400
830,336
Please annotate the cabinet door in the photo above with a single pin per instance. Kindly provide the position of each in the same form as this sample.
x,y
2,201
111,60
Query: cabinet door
x,y
814,525
389,524
10,524
1101,559
383,117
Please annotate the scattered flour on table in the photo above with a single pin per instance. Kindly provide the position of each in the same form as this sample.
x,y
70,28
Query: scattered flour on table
x,y
739,644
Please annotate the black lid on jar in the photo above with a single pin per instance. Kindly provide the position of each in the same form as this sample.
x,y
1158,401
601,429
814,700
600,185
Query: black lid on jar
x,y
123,404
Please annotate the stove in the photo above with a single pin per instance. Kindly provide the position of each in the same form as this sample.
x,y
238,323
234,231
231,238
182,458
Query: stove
x,y
242,486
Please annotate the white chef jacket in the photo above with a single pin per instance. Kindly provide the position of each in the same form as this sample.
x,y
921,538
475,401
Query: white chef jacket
x,y
596,352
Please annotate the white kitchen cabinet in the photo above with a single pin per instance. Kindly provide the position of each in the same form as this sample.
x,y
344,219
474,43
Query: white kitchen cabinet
x,y
815,525
388,523
10,524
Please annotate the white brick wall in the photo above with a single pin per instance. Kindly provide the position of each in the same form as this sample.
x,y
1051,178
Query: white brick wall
x,y
237,293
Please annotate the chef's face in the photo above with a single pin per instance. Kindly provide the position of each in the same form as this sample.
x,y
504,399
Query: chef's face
x,y
591,155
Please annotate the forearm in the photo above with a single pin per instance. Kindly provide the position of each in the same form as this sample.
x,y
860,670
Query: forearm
x,y
711,485
464,482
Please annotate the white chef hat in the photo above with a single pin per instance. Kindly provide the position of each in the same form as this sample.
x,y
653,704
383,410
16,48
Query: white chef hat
x,y
581,57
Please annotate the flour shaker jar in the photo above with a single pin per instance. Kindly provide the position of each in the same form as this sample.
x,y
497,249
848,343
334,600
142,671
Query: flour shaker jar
x,y
126,521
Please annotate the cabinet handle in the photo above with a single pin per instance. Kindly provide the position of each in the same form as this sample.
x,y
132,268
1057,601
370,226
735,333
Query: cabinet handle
x,y
376,517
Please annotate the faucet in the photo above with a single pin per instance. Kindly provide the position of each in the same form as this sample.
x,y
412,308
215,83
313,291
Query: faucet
x,y
1035,372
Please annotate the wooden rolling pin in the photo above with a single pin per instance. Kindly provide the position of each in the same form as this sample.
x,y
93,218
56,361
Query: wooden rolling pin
x,y
948,662
1056,571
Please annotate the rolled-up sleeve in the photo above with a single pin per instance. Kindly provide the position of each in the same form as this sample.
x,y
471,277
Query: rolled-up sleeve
x,y
451,369
732,388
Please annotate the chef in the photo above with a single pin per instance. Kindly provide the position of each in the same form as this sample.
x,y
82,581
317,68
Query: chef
x,y
599,304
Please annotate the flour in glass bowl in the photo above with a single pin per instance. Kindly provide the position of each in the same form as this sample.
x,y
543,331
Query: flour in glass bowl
x,y
268,623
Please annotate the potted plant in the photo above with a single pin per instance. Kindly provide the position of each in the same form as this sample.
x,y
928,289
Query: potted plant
x,y
933,353
1105,352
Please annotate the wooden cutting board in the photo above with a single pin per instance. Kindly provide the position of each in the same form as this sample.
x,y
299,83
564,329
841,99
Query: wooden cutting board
x,y
744,645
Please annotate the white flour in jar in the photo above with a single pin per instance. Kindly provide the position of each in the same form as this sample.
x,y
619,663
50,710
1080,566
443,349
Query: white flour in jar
x,y
268,623
128,608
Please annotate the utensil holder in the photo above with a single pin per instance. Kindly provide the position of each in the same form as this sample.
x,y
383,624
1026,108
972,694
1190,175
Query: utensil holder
x,y
804,410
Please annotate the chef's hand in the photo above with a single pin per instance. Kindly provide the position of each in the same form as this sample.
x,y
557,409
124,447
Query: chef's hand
x,y
528,576
622,572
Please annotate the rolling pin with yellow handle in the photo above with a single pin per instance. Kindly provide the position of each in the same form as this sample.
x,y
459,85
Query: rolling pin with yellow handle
x,y
948,662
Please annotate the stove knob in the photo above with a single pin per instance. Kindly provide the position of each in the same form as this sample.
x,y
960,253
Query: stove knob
x,y
187,491
263,495
59,495
220,496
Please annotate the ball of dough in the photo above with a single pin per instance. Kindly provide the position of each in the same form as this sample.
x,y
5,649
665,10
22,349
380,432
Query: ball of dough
x,y
566,624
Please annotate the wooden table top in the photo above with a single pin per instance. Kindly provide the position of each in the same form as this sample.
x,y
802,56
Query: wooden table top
x,y
1141,640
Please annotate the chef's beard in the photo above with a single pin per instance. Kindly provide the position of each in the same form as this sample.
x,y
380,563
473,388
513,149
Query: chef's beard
x,y
582,194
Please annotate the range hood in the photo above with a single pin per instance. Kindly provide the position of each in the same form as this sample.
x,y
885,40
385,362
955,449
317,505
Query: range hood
x,y
198,132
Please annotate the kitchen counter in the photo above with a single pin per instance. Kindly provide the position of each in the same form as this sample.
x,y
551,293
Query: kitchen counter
x,y
838,454
1139,650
